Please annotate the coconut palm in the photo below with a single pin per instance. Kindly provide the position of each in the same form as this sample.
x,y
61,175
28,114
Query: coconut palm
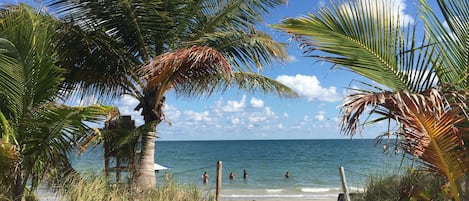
x,y
37,133
146,48
418,80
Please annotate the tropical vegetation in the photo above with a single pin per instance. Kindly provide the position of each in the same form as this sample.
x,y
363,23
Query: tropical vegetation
x,y
144,49
417,79
94,187
413,185
37,133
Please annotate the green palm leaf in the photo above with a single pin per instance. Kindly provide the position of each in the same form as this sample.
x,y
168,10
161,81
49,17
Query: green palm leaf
x,y
10,79
246,50
28,76
450,36
39,132
368,39
49,134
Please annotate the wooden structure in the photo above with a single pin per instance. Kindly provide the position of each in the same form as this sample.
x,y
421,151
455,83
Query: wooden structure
x,y
219,176
116,164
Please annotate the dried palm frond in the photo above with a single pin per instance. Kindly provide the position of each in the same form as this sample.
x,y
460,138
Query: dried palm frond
x,y
181,65
430,125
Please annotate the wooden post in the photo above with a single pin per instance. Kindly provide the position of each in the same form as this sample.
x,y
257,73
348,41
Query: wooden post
x,y
118,171
344,183
219,176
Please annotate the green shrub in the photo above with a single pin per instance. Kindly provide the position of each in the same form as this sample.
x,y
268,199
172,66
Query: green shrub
x,y
414,185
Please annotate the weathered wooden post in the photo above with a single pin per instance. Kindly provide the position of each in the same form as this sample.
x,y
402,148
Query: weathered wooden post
x,y
219,176
344,184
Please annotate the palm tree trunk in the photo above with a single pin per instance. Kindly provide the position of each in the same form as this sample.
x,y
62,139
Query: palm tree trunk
x,y
152,113
18,188
146,178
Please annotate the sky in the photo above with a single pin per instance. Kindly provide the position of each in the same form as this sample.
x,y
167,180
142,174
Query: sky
x,y
237,115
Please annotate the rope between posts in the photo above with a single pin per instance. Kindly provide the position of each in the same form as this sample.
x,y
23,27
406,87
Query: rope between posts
x,y
212,186
357,173
356,179
191,170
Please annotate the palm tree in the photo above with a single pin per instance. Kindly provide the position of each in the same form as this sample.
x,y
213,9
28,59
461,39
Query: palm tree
x,y
146,48
420,83
37,133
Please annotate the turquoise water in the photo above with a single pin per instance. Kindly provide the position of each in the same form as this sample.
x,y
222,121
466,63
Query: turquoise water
x,y
313,165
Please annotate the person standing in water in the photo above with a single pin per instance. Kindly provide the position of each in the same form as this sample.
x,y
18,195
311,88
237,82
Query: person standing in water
x,y
232,175
205,178
245,174
287,175
166,176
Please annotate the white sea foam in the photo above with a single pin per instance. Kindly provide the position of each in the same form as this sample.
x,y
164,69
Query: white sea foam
x,y
274,190
317,190
356,189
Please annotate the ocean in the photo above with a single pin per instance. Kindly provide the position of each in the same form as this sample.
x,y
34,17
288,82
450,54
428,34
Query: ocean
x,y
313,166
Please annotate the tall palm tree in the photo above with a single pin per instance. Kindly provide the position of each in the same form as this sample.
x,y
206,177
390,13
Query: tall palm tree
x,y
37,133
419,82
146,48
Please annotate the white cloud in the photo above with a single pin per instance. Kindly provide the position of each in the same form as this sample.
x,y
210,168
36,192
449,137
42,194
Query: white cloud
x,y
320,116
309,88
129,100
235,106
198,116
280,126
235,120
257,103
172,113
269,112
257,119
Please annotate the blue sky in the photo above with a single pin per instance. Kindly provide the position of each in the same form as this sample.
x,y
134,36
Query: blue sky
x,y
236,115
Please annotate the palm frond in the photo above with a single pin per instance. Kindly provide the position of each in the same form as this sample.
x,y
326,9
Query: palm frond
x,y
110,39
137,24
93,52
30,33
199,71
170,69
366,38
450,36
255,82
49,134
241,14
429,126
11,78
245,81
246,49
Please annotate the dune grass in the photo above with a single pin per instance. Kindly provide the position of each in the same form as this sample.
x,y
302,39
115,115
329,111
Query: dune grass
x,y
92,187
413,185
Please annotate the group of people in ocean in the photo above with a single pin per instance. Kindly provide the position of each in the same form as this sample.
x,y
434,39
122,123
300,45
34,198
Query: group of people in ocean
x,y
233,176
